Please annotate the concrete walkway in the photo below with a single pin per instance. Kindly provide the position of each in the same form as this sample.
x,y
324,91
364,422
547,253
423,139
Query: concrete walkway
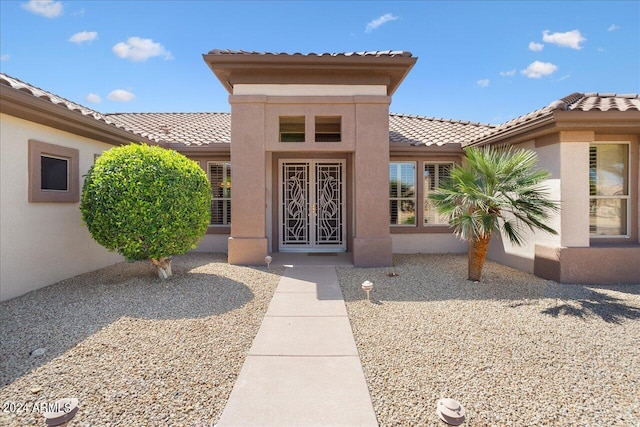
x,y
303,368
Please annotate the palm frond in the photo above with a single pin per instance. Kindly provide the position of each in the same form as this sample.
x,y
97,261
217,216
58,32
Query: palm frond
x,y
496,190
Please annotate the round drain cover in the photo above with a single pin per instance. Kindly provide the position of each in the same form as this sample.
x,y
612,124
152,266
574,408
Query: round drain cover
x,y
67,408
450,411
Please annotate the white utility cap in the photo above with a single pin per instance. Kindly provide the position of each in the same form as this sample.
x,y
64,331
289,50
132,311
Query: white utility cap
x,y
67,408
450,411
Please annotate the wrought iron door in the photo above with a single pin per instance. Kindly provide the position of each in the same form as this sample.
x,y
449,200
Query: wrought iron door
x,y
311,206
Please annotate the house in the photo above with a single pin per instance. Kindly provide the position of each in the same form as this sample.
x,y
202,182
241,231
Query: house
x,y
314,162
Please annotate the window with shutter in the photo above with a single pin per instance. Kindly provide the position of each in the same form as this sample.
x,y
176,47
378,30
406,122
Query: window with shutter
x,y
434,174
220,178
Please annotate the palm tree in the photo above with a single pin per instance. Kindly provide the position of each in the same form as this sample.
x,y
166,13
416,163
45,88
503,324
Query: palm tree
x,y
494,190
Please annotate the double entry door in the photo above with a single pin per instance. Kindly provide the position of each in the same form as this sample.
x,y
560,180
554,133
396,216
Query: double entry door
x,y
312,210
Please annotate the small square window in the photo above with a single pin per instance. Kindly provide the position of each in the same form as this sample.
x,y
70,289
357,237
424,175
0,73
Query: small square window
x,y
292,129
328,129
53,173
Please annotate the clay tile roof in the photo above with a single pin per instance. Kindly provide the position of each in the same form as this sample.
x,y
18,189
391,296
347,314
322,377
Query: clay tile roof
x,y
575,102
420,130
606,102
36,92
377,53
190,129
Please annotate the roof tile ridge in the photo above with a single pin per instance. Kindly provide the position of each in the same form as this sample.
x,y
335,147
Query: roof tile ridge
x,y
443,120
377,53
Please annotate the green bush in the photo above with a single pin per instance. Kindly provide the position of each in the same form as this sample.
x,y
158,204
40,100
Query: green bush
x,y
146,202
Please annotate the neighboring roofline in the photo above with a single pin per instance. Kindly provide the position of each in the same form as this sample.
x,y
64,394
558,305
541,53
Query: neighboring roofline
x,y
23,104
227,63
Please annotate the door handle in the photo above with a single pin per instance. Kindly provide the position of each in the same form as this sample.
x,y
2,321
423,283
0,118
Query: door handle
x,y
313,209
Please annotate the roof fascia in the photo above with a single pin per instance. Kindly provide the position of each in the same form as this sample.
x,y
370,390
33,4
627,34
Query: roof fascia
x,y
559,120
28,107
601,121
399,148
519,132
202,150
226,66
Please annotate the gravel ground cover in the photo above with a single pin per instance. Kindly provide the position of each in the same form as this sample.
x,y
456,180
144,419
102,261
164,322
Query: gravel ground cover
x,y
135,351
515,350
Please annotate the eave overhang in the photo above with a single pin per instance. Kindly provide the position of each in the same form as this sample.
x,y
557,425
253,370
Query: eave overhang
x,y
233,69
25,106
608,122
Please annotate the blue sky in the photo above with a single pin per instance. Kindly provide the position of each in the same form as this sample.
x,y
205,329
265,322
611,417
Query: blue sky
x,y
479,61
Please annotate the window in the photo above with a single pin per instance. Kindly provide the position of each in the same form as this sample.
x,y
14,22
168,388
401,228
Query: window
x,y
402,193
328,129
434,174
53,173
220,179
608,190
292,129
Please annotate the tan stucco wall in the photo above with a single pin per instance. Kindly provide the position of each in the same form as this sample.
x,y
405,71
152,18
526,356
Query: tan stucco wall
x,y
41,243
427,243
566,156
571,256
213,243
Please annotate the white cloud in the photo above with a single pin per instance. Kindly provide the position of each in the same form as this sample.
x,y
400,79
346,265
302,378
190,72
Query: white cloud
x,y
4,57
46,8
537,69
536,47
138,49
94,99
570,39
483,82
613,27
565,77
379,21
509,73
121,95
83,36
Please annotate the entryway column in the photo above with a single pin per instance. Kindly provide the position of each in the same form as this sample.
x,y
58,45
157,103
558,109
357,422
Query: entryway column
x,y
372,239
248,241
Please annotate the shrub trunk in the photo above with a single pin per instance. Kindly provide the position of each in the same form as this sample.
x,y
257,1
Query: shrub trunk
x,y
163,267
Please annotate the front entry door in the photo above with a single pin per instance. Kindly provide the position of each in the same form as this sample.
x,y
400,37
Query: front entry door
x,y
312,211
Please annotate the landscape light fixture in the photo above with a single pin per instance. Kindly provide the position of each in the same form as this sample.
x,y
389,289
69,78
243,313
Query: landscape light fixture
x,y
367,286
268,260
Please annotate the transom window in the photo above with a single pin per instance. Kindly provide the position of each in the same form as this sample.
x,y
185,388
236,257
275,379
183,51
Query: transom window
x,y
328,129
220,179
292,129
434,175
402,193
608,190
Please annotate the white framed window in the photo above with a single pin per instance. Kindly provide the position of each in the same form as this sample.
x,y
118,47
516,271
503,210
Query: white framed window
x,y
220,179
433,175
402,193
609,190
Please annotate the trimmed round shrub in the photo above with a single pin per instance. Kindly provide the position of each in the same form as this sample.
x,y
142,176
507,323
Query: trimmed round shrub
x,y
146,202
